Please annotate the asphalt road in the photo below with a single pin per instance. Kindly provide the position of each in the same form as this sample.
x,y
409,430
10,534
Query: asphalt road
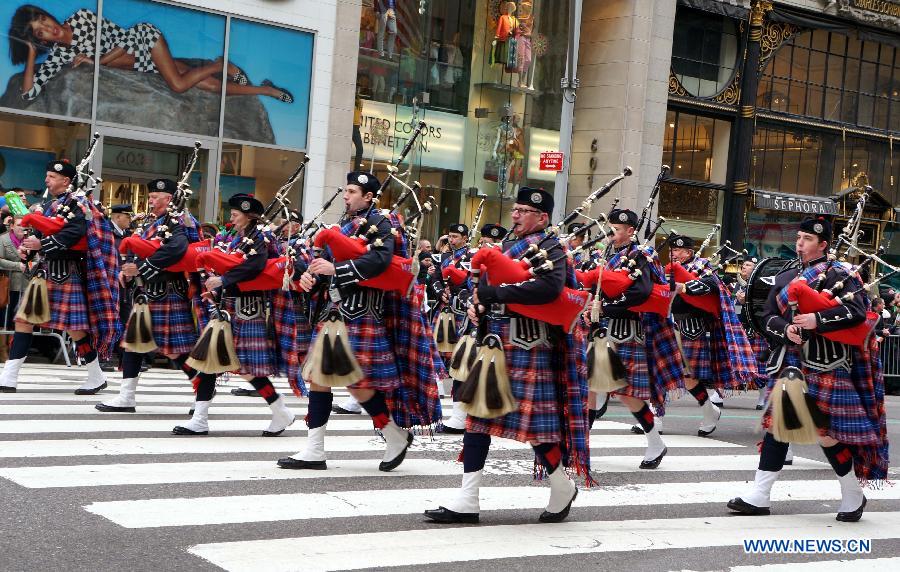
x,y
83,490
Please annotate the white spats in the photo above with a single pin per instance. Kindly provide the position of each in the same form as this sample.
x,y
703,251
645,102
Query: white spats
x,y
282,417
315,445
397,439
562,489
760,494
95,379
199,423
711,415
349,405
10,375
655,445
851,492
125,399
466,500
457,419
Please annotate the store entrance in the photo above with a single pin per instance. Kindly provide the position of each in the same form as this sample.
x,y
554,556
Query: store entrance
x,y
128,166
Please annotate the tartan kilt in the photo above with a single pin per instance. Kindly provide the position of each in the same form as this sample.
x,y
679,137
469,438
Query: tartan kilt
x,y
372,348
173,324
68,303
533,382
252,342
837,397
698,356
634,358
760,347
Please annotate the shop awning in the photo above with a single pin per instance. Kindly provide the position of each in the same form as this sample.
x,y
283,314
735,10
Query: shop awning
x,y
802,204
739,9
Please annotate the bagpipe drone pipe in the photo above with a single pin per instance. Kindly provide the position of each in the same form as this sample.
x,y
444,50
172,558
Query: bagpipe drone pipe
x,y
501,269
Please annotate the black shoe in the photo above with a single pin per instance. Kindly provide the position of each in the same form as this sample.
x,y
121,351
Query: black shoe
x,y
447,516
110,409
395,462
292,463
145,368
109,366
266,433
7,389
179,430
759,407
738,505
791,462
602,410
242,392
704,433
852,516
558,516
94,391
638,430
451,430
341,410
652,464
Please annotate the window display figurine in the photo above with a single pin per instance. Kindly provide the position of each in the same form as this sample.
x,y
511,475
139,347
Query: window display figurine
x,y
503,48
525,56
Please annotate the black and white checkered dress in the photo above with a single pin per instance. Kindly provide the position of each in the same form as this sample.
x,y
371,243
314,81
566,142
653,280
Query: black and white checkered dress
x,y
138,41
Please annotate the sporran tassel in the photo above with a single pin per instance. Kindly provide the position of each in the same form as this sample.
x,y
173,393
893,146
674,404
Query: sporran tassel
x,y
606,372
460,364
445,333
331,361
792,420
490,382
36,309
139,330
216,336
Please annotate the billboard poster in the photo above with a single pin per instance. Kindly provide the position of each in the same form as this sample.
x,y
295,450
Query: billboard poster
x,y
279,60
49,68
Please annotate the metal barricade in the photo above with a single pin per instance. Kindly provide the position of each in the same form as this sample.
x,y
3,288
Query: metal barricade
x,y
61,337
890,362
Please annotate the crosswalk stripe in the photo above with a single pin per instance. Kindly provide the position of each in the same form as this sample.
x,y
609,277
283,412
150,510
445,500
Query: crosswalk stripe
x,y
430,545
105,423
334,443
864,564
203,511
197,472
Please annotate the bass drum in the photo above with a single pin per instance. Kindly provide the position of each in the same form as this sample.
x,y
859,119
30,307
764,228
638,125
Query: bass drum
x,y
761,281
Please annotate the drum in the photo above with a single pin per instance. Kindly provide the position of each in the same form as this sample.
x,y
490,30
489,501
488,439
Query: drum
x,y
758,287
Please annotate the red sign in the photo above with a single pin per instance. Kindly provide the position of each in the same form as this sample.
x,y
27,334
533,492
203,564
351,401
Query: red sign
x,y
552,161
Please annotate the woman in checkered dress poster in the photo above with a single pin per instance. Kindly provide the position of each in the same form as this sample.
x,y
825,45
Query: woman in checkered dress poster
x,y
142,47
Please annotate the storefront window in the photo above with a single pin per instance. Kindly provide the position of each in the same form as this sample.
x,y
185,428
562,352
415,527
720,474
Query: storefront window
x,y
484,76
259,171
61,84
28,144
704,51
696,147
830,76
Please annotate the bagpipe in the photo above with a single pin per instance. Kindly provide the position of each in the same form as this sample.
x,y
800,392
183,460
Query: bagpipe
x,y
35,305
138,336
709,303
331,360
214,352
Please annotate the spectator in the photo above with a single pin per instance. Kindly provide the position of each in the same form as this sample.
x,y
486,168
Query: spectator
x,y
425,245
11,264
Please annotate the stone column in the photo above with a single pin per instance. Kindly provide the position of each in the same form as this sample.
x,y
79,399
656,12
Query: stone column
x,y
737,187
623,66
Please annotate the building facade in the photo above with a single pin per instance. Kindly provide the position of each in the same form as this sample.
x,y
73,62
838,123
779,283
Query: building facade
x,y
251,80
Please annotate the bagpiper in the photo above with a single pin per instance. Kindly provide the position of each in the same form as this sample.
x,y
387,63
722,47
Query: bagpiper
x,y
713,343
842,380
390,385
545,369
253,348
758,343
73,288
172,322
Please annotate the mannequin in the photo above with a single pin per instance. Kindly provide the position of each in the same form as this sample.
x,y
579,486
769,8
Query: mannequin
x,y
505,36
523,45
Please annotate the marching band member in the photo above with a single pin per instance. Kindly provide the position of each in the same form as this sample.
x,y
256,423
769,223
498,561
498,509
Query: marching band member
x,y
83,296
842,380
173,325
255,352
714,347
646,344
546,371
758,343
491,234
362,310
